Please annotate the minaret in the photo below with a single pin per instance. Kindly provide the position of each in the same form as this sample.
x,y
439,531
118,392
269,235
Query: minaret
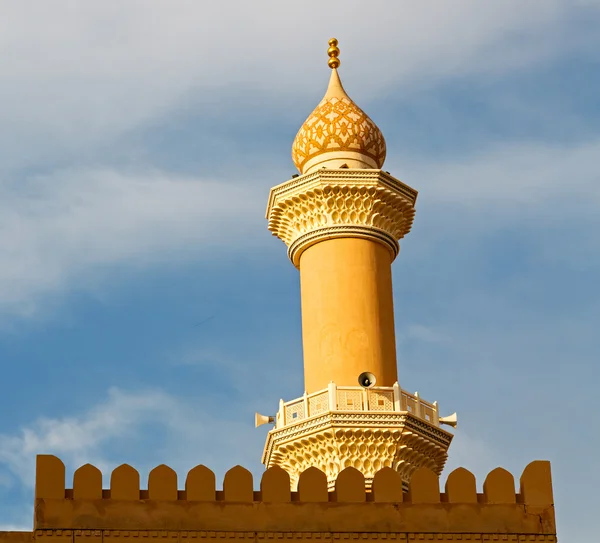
x,y
341,220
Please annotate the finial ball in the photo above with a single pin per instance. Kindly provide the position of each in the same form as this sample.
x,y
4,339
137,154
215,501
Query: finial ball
x,y
333,53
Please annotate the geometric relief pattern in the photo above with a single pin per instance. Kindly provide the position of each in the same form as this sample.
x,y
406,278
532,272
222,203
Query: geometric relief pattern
x,y
426,412
331,205
367,449
295,412
318,404
338,124
380,400
349,400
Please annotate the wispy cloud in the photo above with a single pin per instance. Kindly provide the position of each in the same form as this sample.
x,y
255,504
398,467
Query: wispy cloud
x,y
173,430
92,86
512,178
109,70
59,230
80,439
67,229
540,189
473,454
420,332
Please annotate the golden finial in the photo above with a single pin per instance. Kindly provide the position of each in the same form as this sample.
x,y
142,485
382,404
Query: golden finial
x,y
333,53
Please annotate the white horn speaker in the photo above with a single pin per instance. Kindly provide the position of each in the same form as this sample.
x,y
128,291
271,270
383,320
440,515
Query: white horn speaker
x,y
451,420
259,420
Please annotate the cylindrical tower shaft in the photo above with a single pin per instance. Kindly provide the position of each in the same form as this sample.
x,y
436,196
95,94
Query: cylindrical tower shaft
x,y
347,313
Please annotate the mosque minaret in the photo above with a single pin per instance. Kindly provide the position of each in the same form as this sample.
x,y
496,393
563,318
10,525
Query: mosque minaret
x,y
355,457
342,219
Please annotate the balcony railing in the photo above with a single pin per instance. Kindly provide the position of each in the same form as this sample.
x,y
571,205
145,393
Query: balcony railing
x,y
356,399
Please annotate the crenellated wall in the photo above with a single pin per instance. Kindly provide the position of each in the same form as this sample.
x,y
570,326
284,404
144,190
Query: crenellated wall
x,y
88,513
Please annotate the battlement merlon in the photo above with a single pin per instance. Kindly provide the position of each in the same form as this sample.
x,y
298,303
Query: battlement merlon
x,y
274,508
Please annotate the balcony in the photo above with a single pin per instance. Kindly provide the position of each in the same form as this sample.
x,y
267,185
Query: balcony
x,y
356,399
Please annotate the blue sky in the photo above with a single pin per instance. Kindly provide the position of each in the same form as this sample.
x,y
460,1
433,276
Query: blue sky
x,y
145,310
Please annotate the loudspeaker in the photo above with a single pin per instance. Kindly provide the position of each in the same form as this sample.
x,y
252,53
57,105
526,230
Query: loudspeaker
x,y
450,420
259,420
366,379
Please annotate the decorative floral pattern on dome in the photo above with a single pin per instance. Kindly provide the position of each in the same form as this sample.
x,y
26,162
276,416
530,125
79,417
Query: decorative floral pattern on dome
x,y
338,124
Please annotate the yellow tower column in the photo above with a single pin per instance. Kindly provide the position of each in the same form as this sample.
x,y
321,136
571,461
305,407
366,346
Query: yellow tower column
x,y
341,225
341,220
347,313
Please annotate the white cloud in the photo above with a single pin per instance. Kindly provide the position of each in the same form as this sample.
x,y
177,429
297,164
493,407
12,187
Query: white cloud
x,y
420,332
538,187
512,178
139,418
66,230
142,428
74,77
473,454
78,440
60,230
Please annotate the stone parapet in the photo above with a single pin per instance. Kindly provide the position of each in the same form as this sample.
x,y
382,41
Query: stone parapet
x,y
374,399
125,511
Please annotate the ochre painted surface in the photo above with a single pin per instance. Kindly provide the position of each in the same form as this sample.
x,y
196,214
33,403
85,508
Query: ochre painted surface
x,y
347,313
16,537
338,134
273,512
123,536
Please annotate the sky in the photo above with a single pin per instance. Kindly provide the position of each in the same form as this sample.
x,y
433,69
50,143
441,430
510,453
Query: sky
x,y
146,312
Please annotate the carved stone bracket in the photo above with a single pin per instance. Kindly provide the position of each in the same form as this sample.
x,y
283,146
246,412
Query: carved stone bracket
x,y
329,204
368,442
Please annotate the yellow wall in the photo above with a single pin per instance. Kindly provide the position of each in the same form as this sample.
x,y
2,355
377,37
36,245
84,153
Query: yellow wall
x,y
347,313
126,513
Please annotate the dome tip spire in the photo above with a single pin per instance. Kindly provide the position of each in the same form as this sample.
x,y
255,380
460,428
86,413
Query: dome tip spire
x,y
333,53
337,134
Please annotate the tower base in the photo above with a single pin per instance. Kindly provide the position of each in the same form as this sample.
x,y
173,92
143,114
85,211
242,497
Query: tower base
x,y
368,440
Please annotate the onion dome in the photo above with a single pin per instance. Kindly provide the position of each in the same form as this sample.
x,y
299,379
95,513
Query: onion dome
x,y
338,134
